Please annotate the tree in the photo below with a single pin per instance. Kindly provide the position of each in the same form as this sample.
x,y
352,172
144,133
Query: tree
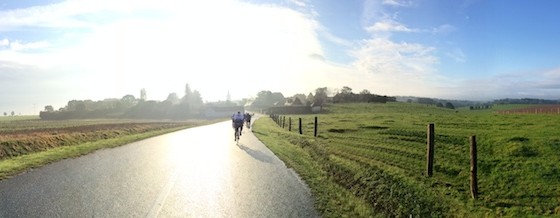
x,y
449,105
143,95
196,100
365,92
426,101
191,101
49,108
346,90
320,96
13,113
173,98
188,91
128,101
5,114
267,98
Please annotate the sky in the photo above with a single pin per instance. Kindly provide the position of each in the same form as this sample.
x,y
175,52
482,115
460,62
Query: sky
x,y
54,51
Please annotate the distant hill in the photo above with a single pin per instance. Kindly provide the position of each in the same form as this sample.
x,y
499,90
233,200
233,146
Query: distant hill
x,y
435,101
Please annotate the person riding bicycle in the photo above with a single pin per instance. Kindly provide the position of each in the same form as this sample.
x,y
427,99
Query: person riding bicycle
x,y
237,120
248,119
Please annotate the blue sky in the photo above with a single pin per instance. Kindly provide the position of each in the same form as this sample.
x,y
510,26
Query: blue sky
x,y
53,51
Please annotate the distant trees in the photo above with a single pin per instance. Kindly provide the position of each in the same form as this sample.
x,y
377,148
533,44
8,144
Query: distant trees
x,y
320,96
173,98
143,95
5,113
128,101
346,95
267,99
190,105
449,105
192,100
49,108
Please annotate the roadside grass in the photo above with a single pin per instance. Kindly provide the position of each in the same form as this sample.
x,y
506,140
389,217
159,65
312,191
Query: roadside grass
x,y
377,153
332,200
70,144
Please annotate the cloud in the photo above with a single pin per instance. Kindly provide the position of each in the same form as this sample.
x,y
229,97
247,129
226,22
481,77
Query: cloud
x,y
397,68
196,43
380,55
548,80
389,26
444,29
4,42
399,3
18,46
300,3
457,55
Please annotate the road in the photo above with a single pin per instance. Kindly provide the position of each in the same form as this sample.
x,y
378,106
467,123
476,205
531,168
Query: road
x,y
197,172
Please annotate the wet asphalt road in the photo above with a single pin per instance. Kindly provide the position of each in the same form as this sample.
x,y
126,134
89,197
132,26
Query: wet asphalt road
x,y
197,172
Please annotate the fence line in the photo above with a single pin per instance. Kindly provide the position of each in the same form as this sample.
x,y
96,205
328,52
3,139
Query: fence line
x,y
430,148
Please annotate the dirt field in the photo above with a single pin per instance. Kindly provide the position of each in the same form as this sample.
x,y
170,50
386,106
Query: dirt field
x,y
28,140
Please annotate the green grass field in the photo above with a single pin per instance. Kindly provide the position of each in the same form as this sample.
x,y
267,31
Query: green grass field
x,y
376,154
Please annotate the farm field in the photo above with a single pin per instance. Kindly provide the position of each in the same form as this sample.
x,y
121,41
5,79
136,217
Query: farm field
x,y
375,155
28,142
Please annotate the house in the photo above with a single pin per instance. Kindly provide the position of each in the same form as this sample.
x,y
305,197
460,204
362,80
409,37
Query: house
x,y
316,107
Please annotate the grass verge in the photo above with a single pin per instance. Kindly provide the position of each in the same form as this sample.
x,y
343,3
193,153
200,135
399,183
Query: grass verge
x,y
298,152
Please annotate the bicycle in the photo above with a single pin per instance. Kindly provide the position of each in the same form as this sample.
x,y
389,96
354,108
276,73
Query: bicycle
x,y
237,134
238,127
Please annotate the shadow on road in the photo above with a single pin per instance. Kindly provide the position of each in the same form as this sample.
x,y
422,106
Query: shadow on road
x,y
259,155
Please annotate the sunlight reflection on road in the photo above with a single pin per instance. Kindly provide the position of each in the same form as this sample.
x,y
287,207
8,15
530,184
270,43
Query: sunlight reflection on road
x,y
203,185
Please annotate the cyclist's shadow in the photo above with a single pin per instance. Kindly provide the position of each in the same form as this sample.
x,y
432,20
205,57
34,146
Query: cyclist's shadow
x,y
259,155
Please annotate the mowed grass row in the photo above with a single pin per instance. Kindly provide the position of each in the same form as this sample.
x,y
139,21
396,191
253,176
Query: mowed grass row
x,y
518,157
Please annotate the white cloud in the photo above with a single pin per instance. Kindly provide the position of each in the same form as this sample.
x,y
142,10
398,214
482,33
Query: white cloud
x,y
388,26
18,46
4,42
300,3
214,49
444,29
379,55
397,67
458,55
399,3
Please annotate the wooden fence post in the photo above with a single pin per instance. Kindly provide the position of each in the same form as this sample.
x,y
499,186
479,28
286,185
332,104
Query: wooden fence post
x,y
300,130
290,124
283,122
430,150
474,178
315,129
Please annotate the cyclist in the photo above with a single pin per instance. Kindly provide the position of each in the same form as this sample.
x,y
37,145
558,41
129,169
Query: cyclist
x,y
248,120
237,121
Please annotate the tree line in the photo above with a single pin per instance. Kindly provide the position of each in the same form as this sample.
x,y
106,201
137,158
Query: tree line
x,y
266,99
190,105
